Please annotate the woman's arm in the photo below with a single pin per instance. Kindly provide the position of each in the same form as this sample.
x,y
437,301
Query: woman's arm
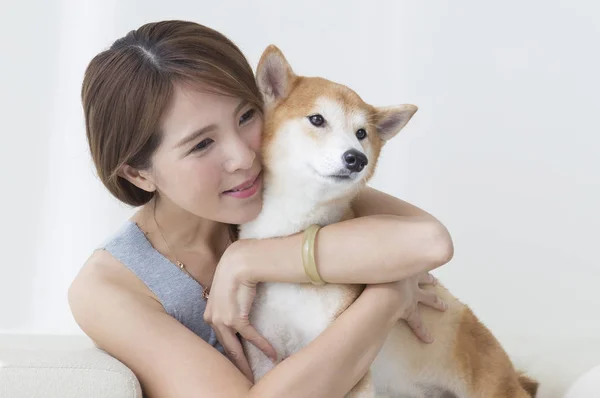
x,y
371,202
372,249
367,250
113,309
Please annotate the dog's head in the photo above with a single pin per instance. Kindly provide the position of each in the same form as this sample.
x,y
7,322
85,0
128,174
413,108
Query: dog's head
x,y
320,132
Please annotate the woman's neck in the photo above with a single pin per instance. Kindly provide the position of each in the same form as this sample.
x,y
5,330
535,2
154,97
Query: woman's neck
x,y
183,232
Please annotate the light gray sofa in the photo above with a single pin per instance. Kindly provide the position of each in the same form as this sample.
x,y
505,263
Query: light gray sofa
x,y
36,366
33,366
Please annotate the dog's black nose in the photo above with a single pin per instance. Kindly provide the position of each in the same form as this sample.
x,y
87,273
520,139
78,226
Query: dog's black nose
x,y
355,160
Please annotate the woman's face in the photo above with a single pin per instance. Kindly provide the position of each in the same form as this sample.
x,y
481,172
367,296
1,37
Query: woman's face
x,y
208,162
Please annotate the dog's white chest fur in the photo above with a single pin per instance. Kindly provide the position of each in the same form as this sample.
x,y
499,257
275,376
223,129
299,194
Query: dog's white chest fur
x,y
289,315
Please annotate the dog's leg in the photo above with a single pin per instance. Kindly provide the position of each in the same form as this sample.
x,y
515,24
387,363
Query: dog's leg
x,y
365,388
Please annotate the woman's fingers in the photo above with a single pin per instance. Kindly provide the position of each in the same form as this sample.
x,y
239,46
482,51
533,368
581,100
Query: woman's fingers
x,y
233,349
416,324
249,333
427,279
432,300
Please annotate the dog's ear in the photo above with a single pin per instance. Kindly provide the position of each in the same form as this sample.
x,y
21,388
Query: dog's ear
x,y
274,76
390,120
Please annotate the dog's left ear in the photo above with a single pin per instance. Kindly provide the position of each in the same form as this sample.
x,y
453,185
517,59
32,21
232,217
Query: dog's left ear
x,y
390,120
274,76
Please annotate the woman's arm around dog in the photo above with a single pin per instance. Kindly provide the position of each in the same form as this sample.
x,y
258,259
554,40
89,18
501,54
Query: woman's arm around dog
x,y
120,314
402,243
389,240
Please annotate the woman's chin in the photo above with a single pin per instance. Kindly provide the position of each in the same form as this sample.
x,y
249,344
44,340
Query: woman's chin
x,y
244,214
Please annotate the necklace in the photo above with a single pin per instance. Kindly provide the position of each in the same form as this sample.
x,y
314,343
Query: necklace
x,y
205,290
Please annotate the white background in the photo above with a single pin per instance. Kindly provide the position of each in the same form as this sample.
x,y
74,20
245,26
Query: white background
x,y
504,149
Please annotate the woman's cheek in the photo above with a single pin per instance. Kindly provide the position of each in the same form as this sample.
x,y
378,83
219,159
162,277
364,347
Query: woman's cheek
x,y
256,136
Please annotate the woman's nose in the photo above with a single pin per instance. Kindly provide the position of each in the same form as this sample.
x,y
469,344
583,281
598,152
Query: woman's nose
x,y
239,156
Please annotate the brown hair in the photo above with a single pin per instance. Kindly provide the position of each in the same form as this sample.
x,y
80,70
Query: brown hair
x,y
127,88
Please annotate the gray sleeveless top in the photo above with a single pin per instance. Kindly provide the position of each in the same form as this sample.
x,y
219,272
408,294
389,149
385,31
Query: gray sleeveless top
x,y
179,294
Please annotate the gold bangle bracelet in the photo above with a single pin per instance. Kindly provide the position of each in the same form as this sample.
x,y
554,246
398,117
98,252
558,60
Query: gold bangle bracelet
x,y
308,255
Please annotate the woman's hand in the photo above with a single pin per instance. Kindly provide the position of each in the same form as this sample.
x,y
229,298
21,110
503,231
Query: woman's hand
x,y
228,309
410,294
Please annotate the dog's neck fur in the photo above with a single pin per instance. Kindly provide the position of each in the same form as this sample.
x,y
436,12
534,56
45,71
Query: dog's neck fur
x,y
290,207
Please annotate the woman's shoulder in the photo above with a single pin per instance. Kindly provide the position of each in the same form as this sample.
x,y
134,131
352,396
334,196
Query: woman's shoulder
x,y
102,267
102,274
106,266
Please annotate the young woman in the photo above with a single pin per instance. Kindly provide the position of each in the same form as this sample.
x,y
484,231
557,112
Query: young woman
x,y
174,122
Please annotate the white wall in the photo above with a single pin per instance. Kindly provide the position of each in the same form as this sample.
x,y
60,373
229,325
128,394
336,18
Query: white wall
x,y
504,149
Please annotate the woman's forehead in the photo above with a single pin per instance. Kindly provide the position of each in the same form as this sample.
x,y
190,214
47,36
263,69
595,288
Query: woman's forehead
x,y
193,108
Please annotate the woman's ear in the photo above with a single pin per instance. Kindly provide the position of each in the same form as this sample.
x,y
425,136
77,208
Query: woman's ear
x,y
140,179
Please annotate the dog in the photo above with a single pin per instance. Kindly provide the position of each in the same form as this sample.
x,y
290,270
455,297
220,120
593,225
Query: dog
x,y
321,143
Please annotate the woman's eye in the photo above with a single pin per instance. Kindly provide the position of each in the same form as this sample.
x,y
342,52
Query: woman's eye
x,y
247,116
203,144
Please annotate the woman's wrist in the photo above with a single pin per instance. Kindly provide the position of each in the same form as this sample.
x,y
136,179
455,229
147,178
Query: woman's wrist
x,y
271,260
385,299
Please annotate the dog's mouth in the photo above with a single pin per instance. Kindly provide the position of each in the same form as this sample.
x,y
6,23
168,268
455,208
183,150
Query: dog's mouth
x,y
341,176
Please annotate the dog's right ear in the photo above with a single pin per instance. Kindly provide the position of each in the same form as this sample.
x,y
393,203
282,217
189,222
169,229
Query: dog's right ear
x,y
393,119
274,76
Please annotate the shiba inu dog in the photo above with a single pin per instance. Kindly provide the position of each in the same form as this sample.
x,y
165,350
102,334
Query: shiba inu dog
x,y
321,145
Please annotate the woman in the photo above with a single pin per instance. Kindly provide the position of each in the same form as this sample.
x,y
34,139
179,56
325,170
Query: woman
x,y
173,120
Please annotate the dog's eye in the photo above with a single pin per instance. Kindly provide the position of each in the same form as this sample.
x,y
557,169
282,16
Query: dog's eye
x,y
361,134
317,120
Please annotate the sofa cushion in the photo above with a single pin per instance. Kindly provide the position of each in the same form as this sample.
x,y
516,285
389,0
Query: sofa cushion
x,y
35,366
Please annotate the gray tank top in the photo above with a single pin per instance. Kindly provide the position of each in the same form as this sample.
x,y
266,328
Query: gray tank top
x,y
179,294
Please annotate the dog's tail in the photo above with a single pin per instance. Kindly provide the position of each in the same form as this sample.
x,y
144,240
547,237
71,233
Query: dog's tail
x,y
530,385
